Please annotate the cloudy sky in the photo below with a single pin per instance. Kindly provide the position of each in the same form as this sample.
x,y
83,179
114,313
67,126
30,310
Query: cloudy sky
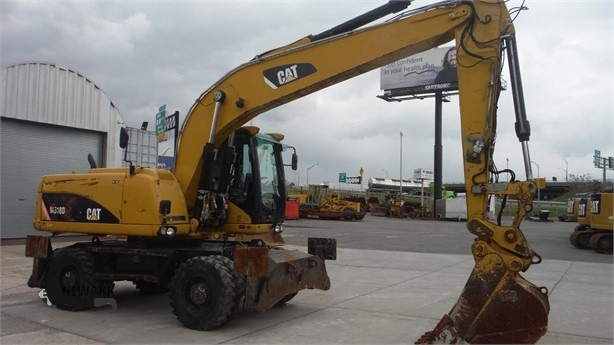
x,y
148,53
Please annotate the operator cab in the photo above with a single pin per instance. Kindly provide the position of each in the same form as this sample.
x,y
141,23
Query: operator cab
x,y
257,180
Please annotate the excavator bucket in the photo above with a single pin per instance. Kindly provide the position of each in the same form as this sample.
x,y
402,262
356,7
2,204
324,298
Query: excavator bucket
x,y
497,306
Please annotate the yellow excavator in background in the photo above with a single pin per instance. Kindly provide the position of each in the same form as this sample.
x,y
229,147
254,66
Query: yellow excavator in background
x,y
328,204
595,222
209,233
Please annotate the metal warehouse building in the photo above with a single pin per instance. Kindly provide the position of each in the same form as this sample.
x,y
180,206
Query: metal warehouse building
x,y
52,117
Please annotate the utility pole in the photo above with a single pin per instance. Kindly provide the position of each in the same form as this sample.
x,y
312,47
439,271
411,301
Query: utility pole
x,y
566,170
308,173
538,196
401,166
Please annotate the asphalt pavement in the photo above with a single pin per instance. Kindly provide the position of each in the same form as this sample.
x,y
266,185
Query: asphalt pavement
x,y
377,297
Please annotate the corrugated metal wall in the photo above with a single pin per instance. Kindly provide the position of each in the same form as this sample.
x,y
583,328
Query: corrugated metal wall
x,y
57,95
29,151
51,118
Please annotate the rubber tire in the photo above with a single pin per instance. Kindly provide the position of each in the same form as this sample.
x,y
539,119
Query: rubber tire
x,y
601,243
213,276
239,285
580,239
348,213
85,289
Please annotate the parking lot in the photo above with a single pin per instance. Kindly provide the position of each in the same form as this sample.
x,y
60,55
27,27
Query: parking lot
x,y
392,281
548,239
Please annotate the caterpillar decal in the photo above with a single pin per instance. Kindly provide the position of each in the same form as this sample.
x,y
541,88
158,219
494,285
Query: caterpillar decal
x,y
281,75
74,208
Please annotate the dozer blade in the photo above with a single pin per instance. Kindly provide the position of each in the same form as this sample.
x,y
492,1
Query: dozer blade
x,y
497,306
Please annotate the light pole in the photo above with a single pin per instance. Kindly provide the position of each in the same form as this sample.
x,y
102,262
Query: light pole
x,y
538,196
298,178
566,170
308,173
386,172
507,177
401,166
308,190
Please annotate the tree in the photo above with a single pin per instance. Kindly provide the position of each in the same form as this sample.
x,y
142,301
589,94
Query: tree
x,y
584,183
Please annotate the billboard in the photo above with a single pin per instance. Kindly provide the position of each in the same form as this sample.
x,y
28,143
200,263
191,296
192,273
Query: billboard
x,y
423,174
426,72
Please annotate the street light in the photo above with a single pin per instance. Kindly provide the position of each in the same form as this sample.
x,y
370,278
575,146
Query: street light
x,y
401,166
308,194
566,170
386,172
507,177
538,196
308,173
298,178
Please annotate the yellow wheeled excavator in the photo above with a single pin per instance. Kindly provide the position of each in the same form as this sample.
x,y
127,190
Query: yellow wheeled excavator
x,y
209,232
595,222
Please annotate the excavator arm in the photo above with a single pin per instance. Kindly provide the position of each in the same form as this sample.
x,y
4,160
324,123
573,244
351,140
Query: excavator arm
x,y
497,303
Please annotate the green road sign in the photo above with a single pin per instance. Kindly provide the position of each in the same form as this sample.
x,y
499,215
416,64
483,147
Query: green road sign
x,y
597,159
161,119
342,177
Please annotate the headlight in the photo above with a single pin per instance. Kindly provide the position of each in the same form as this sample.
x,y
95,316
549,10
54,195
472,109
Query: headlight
x,y
167,231
279,228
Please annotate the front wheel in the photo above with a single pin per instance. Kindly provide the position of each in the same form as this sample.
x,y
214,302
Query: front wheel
x,y
71,284
349,213
203,293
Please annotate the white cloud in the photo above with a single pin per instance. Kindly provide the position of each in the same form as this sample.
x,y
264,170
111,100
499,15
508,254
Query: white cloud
x,y
144,54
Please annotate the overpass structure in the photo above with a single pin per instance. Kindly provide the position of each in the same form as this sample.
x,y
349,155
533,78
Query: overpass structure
x,y
552,190
376,184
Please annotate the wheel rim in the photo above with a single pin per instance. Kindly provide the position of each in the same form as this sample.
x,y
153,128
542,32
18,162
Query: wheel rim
x,y
70,278
605,244
198,293
583,240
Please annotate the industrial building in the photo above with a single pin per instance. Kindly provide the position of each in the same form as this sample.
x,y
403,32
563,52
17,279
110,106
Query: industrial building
x,y
52,117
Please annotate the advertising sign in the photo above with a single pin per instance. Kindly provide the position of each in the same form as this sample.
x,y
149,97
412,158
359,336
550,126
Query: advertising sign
x,y
426,72
423,174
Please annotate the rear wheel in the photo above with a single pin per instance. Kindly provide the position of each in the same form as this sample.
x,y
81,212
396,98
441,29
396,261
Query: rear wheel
x,y
203,292
580,239
601,243
71,284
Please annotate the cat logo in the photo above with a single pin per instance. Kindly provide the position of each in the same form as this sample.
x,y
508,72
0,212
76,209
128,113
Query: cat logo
x,y
282,75
93,213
